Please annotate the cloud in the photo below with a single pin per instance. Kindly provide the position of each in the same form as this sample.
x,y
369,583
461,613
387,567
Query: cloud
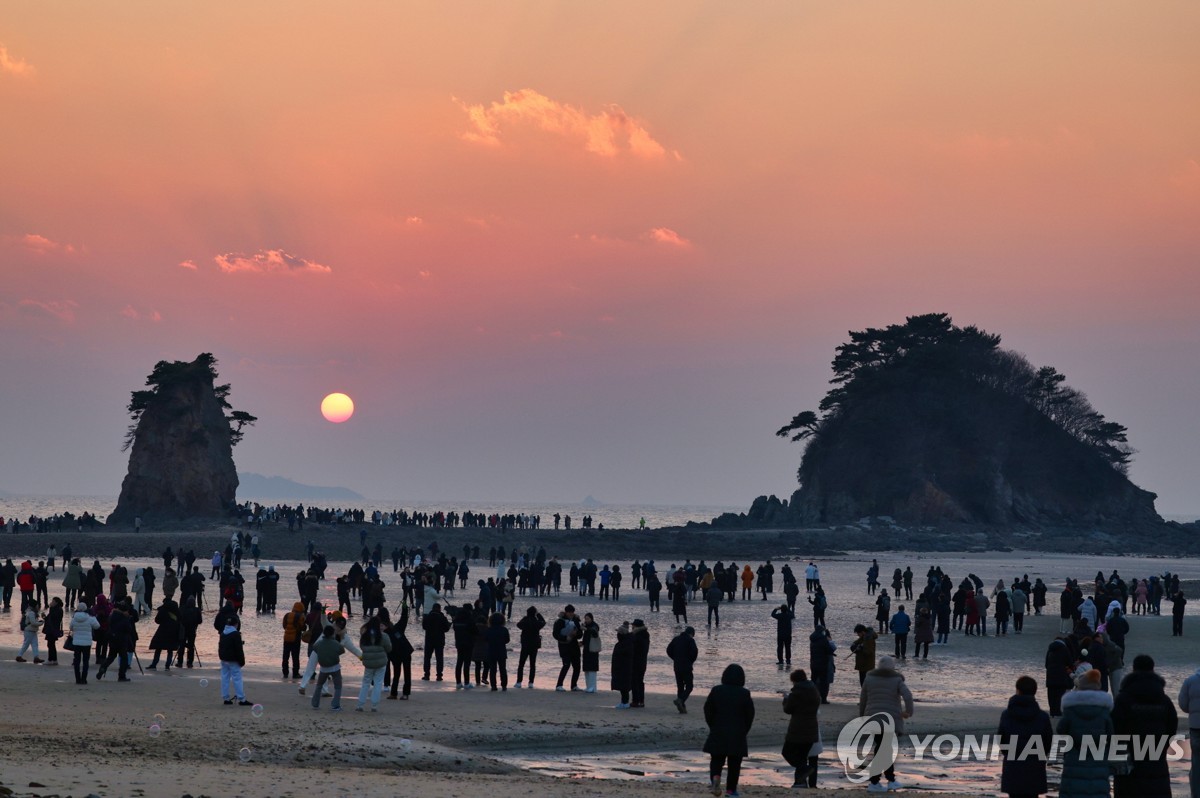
x,y
61,309
133,314
267,261
424,274
13,65
665,235
415,221
188,264
40,245
609,133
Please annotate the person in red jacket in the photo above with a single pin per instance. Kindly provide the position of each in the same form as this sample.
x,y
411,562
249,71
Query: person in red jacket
x,y
26,584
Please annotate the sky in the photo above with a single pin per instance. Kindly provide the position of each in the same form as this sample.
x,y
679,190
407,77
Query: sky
x,y
555,249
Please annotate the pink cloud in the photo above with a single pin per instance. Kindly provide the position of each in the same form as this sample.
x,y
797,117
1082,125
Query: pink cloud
x,y
133,314
665,235
188,264
40,245
61,309
13,65
268,261
608,133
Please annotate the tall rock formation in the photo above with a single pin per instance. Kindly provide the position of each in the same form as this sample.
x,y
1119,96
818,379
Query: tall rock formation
x,y
181,459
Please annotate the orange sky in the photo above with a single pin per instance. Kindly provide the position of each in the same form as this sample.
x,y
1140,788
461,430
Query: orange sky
x,y
554,249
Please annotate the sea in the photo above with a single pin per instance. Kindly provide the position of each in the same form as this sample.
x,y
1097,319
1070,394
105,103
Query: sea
x,y
972,671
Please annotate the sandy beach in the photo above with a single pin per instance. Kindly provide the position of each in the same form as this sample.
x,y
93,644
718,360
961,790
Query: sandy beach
x,y
62,739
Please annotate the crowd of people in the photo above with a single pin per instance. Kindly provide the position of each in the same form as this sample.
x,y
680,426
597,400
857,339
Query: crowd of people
x,y
1085,681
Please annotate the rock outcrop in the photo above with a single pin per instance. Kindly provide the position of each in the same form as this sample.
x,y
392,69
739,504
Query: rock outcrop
x,y
181,461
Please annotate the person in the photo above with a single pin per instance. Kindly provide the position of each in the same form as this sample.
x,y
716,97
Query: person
x,y
883,690
329,652
1086,713
464,645
923,635
400,657
52,629
1189,702
531,641
783,634
819,603
232,654
713,597
641,658
83,626
435,625
863,649
376,648
31,622
654,591
1143,710
167,635
679,605
621,674
190,618
1178,602
729,714
747,582
591,646
883,607
1021,722
294,624
497,638
122,635
1059,661
683,652
821,660
568,633
802,703
900,624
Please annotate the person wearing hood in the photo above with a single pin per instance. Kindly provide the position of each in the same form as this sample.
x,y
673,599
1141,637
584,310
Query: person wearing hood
x,y
294,624
232,654
1116,625
83,625
26,584
621,677
883,690
1020,723
1087,611
376,648
1087,713
170,583
729,714
1059,660
803,732
1143,710
168,634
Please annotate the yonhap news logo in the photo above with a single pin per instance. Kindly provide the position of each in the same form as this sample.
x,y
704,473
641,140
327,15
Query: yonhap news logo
x,y
867,746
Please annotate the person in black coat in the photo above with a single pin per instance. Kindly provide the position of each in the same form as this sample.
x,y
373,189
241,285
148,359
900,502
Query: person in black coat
x,y
436,624
729,713
465,630
802,703
168,634
1058,674
820,661
1021,722
122,635
641,658
621,678
568,632
400,657
683,652
1143,709
531,641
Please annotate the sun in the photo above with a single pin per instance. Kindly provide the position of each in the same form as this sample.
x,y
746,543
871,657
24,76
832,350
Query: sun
x,y
337,407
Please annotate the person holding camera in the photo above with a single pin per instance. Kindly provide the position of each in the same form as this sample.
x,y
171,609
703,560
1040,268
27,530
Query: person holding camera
x,y
531,640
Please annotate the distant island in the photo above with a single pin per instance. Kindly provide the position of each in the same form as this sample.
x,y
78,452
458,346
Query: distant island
x,y
929,425
256,486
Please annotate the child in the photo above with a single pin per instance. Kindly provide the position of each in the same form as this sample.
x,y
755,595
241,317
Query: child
x,y
233,658
30,623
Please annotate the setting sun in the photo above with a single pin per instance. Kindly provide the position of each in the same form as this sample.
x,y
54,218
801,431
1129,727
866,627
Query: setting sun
x,y
337,407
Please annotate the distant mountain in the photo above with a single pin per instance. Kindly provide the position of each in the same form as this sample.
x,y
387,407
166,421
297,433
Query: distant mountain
x,y
256,486
591,503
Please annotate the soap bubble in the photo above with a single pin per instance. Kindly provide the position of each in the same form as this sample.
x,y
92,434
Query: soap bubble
x,y
155,730
204,682
244,755
406,744
160,719
257,710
